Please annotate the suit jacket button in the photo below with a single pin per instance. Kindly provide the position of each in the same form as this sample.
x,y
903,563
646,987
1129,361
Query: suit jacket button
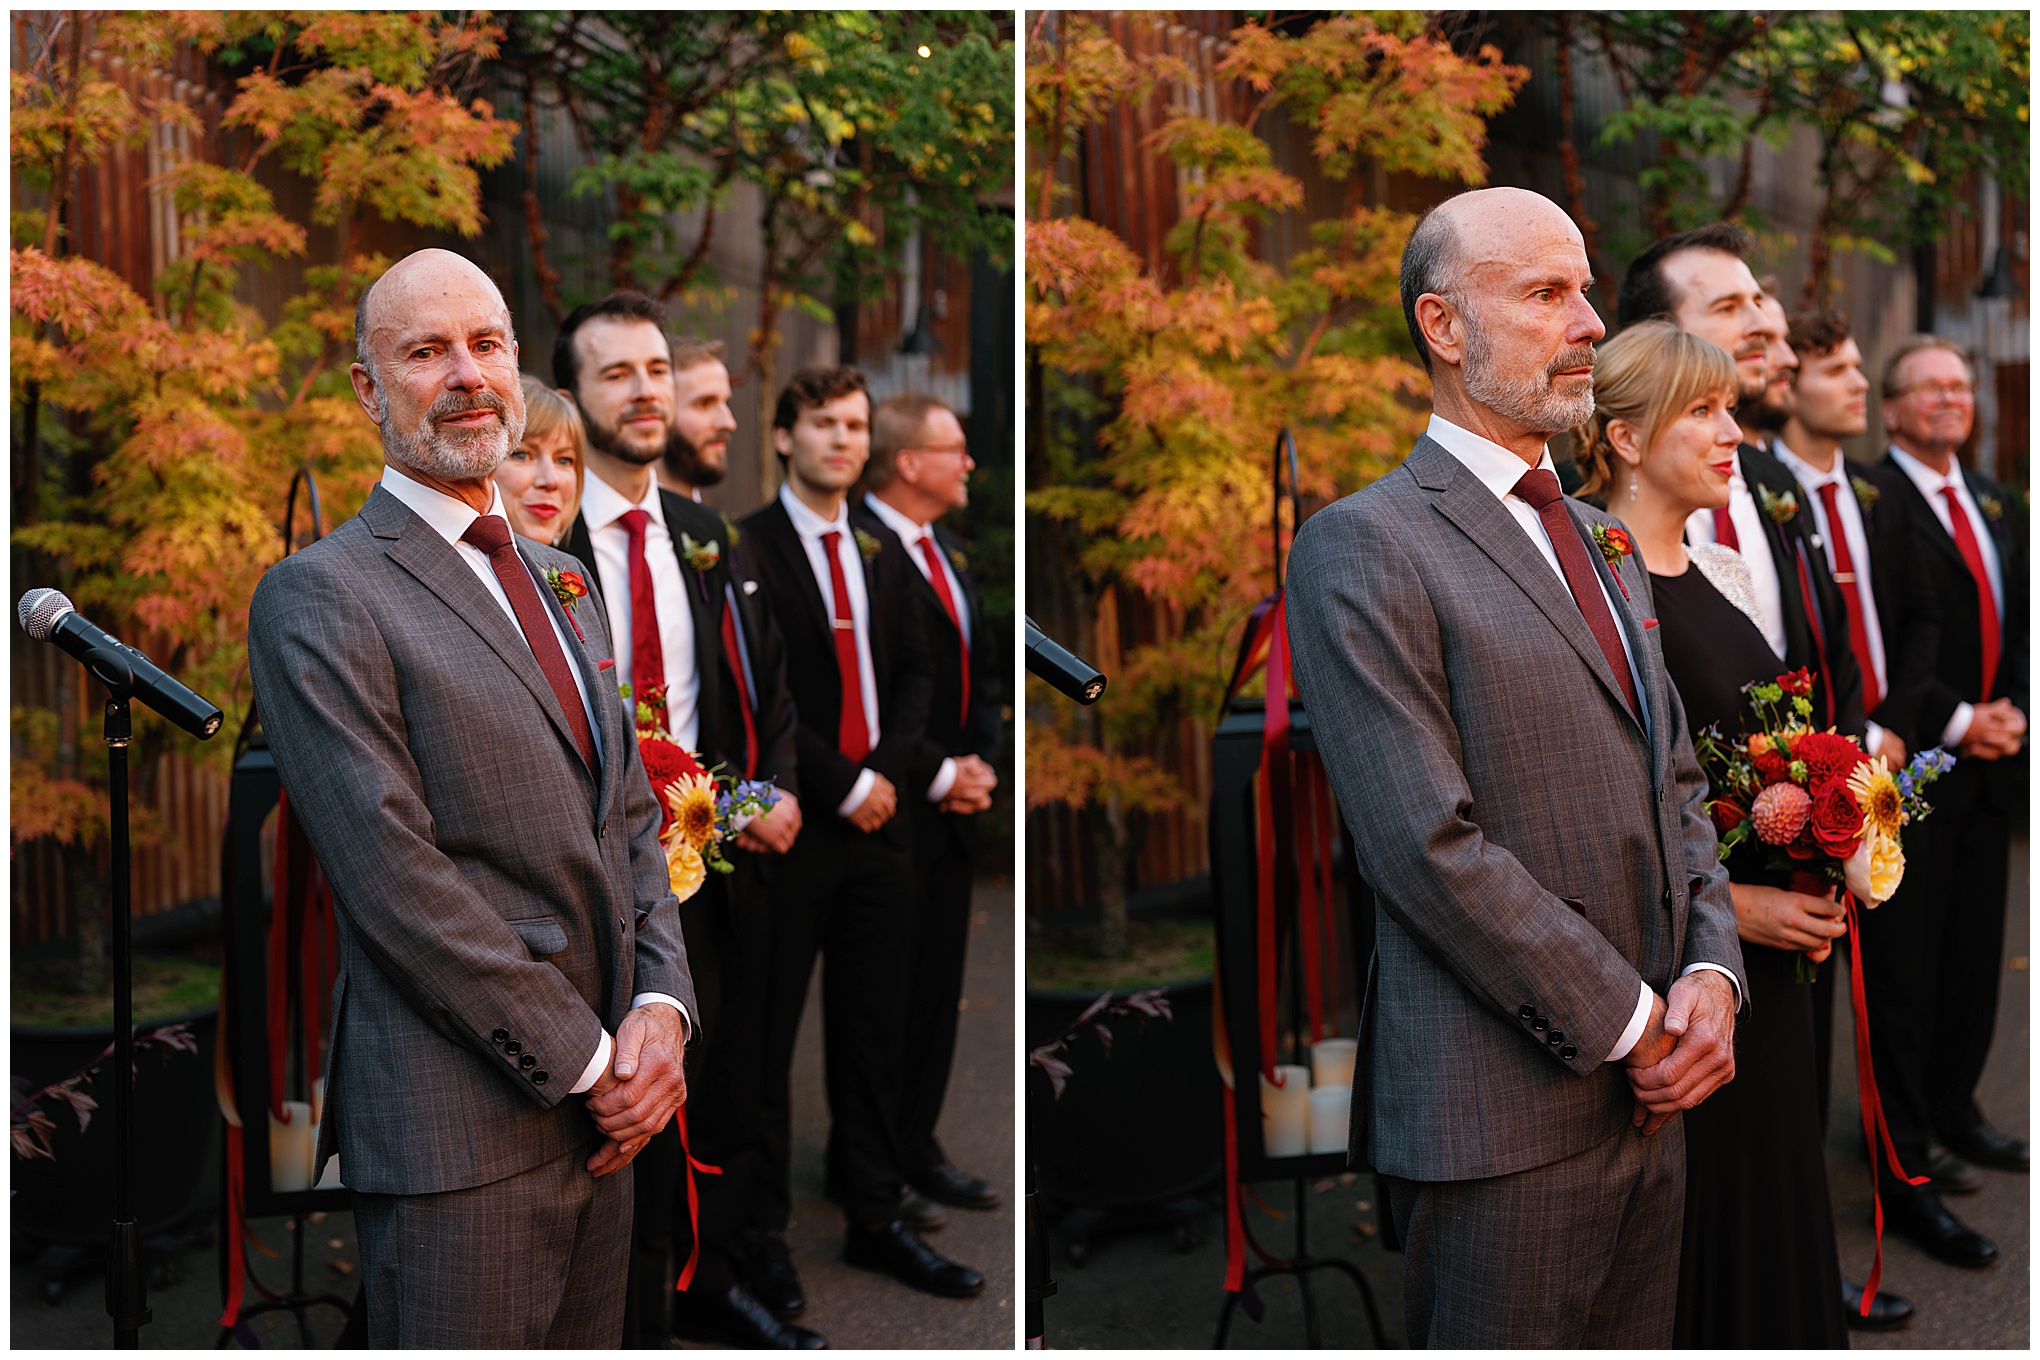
x,y
538,1077
513,1048
602,831
1568,1052
1540,1024
1525,1011
527,1062
1556,1036
500,1035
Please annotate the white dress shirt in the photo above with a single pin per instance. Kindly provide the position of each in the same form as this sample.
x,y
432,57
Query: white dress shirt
x,y
1499,470
1930,484
810,527
910,535
1812,479
603,508
1751,542
450,518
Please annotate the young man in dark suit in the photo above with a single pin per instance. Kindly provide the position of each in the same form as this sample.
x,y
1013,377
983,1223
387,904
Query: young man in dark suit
x,y
687,631
858,669
1933,955
919,471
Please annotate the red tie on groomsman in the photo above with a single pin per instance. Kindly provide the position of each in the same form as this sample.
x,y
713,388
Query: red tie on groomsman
x,y
735,657
1847,578
491,533
1724,529
647,657
1986,603
853,737
941,582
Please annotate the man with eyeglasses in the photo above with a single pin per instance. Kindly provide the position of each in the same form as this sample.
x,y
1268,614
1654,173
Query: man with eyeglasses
x,y
1932,956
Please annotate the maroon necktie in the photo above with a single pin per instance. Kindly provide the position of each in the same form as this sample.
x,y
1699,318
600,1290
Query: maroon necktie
x,y
491,533
1724,529
1845,577
647,658
941,583
853,737
1986,603
1540,489
736,659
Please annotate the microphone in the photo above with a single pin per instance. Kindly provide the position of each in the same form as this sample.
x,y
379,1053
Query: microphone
x,y
1070,673
47,616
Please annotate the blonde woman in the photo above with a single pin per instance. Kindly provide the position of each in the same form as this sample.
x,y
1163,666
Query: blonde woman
x,y
541,480
1758,1266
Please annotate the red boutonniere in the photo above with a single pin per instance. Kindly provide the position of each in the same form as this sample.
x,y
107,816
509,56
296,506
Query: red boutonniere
x,y
567,587
1615,544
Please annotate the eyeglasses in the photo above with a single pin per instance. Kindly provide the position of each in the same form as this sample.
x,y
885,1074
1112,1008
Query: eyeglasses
x,y
1946,391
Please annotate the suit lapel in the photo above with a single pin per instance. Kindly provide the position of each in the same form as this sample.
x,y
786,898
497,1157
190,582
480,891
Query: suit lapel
x,y
1478,514
707,620
784,544
592,679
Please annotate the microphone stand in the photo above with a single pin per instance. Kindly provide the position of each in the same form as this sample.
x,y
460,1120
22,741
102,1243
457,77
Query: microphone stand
x,y
125,1300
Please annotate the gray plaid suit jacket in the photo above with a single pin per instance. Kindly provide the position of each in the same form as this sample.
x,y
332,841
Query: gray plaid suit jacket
x,y
1534,850
499,904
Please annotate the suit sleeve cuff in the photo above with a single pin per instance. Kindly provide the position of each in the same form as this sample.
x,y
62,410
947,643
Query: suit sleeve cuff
x,y
859,791
1734,986
1958,724
1636,1024
944,780
597,1065
647,998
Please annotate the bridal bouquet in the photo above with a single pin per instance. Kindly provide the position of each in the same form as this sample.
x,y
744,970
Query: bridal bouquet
x,y
701,808
1826,812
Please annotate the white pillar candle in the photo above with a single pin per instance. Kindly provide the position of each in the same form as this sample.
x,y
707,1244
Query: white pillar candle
x,y
1331,1062
290,1148
1329,1110
1285,1112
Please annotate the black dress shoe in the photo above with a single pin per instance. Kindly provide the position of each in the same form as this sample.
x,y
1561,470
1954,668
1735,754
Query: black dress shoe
x,y
917,1213
737,1320
893,1249
769,1278
1985,1146
1887,1314
944,1184
1950,1174
1916,1213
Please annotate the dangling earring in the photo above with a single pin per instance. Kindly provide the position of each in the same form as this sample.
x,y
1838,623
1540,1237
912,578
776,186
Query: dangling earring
x,y
1632,484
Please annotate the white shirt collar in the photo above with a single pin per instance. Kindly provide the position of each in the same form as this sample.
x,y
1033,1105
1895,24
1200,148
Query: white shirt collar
x,y
910,533
448,516
1810,476
602,504
806,522
1498,469
1925,478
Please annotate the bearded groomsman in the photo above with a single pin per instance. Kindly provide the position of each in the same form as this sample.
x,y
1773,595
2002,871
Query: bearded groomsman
x,y
1933,955
688,631
858,667
919,471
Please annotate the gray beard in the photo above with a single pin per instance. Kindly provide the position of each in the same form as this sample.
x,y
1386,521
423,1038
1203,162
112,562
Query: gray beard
x,y
452,455
1534,403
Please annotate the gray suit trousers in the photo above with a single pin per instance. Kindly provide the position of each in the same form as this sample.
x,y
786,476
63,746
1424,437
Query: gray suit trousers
x,y
533,1261
1483,1268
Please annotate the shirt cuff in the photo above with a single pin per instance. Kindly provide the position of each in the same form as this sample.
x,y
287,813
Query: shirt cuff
x,y
859,791
944,780
597,1065
647,998
1873,735
1733,985
1958,724
1636,1024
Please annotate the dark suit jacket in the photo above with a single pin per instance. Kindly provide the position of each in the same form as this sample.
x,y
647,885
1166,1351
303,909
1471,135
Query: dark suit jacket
x,y
770,552
1907,613
1791,544
1958,660
499,903
721,736
950,731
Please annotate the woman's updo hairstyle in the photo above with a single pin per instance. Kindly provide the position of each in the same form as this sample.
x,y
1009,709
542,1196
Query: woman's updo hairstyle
x,y
1644,376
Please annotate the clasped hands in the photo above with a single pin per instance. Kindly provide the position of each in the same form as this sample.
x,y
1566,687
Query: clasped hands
x,y
645,1083
1996,731
1687,1051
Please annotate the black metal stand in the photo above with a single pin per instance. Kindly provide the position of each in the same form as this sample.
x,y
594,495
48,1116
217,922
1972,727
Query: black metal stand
x,y
1301,1265
1040,1283
297,1302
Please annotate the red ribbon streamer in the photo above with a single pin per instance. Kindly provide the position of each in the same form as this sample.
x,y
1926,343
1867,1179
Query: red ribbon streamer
x,y
1274,782
1235,1226
1875,1131
693,1201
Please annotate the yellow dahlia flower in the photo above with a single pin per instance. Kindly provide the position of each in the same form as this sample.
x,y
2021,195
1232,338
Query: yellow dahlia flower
x,y
1874,872
692,798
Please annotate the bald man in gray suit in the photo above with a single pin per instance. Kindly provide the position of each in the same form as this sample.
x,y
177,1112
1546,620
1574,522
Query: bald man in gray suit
x,y
513,990
1556,973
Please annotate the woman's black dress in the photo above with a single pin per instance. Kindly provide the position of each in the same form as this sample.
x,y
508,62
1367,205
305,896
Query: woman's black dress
x,y
1759,1266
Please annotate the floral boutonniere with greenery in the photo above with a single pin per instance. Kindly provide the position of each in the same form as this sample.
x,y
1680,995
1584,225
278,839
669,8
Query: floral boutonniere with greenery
x,y
1866,494
567,587
960,562
731,534
1779,507
868,546
1993,508
1614,543
700,556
